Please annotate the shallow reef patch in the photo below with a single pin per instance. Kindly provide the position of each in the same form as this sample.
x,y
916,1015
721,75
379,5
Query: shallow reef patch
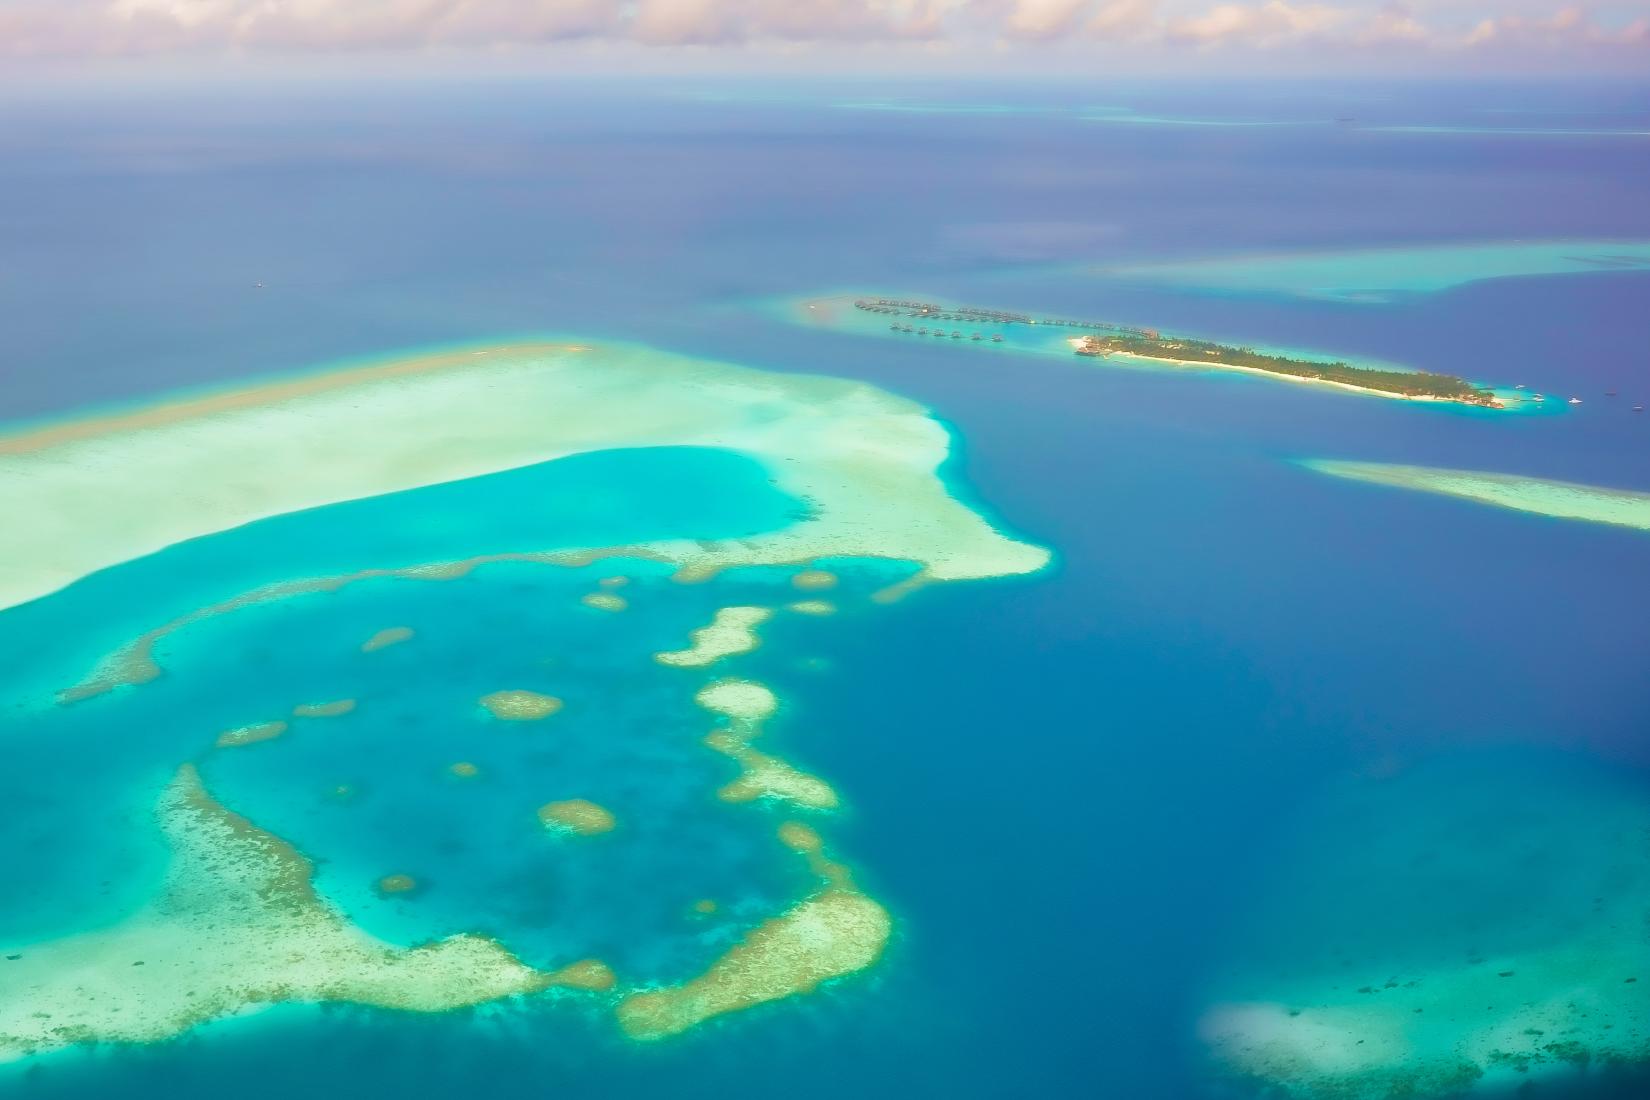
x,y
578,816
250,735
237,925
832,933
390,635
731,631
335,709
741,700
518,705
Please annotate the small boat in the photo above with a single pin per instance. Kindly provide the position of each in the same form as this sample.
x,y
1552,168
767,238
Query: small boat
x,y
996,338
1638,408
1519,386
922,332
976,336
1609,393
1575,400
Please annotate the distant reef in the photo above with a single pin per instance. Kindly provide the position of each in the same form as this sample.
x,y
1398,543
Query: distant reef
x,y
1559,499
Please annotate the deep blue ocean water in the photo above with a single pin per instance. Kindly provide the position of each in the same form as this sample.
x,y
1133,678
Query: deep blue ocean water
x,y
1084,795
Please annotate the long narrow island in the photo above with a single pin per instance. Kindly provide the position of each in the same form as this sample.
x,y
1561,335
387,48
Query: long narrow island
x,y
1417,385
1105,339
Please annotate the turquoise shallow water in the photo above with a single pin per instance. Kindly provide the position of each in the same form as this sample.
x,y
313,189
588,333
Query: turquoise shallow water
x,y
370,793
1253,724
690,492
1374,276
505,626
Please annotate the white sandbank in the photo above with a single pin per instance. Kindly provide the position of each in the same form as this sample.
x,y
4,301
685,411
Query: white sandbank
x,y
1561,499
236,925
104,490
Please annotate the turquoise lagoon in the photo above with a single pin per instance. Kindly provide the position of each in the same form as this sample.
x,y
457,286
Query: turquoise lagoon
x,y
371,793
1257,736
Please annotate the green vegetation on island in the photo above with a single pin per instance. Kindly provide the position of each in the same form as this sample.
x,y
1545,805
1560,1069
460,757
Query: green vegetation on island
x,y
1103,339
1400,383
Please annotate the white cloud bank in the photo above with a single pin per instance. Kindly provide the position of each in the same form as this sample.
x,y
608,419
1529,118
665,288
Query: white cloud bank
x,y
104,28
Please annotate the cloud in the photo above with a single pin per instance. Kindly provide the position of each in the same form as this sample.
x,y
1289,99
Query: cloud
x,y
1394,24
1566,28
1058,20
1039,20
1153,29
1124,19
1267,25
103,27
683,21
721,22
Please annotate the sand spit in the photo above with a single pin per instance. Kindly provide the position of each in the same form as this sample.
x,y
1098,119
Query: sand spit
x,y
236,925
1560,499
831,933
109,489
731,631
